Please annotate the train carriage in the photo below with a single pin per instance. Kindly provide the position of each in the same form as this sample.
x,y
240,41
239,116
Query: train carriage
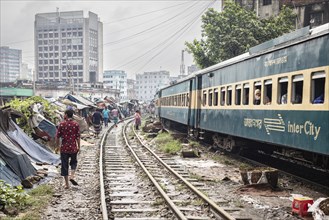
x,y
277,94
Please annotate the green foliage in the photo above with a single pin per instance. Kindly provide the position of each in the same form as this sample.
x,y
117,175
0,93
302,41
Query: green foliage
x,y
172,147
233,31
31,204
194,144
23,106
12,196
163,138
167,144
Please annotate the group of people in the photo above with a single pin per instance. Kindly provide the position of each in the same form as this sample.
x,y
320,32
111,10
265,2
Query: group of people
x,y
103,115
297,99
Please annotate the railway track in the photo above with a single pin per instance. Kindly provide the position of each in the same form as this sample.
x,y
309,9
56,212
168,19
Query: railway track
x,y
289,166
157,188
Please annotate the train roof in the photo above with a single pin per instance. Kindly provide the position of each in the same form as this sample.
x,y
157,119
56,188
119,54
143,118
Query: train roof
x,y
266,47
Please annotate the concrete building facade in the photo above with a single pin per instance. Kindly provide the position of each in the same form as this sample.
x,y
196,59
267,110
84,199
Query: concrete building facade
x,y
131,89
191,69
116,79
309,12
149,83
10,64
26,72
68,47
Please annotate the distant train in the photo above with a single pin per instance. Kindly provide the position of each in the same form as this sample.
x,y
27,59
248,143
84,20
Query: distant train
x,y
277,93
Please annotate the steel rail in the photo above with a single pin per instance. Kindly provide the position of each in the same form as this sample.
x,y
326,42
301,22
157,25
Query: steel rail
x,y
101,177
170,203
213,205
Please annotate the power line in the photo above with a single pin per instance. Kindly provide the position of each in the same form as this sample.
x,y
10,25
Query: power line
x,y
187,27
146,13
146,30
158,45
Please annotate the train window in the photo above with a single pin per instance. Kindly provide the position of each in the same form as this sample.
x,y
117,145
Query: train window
x,y
297,89
282,90
238,95
204,98
246,94
318,87
257,92
179,101
229,95
187,100
210,97
268,92
183,100
222,96
216,97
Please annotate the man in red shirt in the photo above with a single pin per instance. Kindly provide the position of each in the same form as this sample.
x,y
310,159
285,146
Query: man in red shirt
x,y
69,132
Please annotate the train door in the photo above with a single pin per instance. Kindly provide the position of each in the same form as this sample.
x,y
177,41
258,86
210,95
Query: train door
x,y
159,103
198,102
189,98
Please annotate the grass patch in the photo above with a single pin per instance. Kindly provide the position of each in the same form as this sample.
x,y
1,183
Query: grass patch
x,y
167,144
36,203
195,176
194,144
158,201
198,202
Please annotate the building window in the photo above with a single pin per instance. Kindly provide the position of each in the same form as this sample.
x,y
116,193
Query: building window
x,y
267,2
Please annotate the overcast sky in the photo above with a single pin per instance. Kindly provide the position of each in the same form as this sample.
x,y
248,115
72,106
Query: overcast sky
x,y
138,36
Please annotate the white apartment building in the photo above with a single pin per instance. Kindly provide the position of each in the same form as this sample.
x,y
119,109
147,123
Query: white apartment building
x,y
116,79
26,72
68,47
148,83
10,64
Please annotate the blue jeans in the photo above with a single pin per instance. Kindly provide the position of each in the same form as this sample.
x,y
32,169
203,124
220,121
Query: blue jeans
x,y
106,121
65,162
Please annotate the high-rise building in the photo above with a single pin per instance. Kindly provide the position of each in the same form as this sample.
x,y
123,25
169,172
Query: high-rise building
x,y
116,79
26,72
10,64
68,47
149,83
131,89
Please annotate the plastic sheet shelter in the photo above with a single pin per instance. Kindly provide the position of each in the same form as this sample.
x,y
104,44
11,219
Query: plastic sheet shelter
x,y
33,149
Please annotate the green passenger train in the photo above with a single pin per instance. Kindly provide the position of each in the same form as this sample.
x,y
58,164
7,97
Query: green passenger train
x,y
277,94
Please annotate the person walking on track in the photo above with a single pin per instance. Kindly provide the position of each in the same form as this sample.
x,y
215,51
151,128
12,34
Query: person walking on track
x,y
69,132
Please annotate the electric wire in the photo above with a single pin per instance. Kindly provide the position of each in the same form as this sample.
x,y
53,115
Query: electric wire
x,y
137,25
146,13
146,30
189,25
159,28
157,46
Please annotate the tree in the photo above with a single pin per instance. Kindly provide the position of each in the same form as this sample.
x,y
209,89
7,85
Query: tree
x,y
233,31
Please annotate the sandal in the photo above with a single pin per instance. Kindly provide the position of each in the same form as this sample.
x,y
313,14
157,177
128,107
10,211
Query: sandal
x,y
74,182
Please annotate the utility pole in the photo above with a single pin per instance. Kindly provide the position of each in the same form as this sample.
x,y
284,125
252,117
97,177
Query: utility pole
x,y
182,65
70,74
